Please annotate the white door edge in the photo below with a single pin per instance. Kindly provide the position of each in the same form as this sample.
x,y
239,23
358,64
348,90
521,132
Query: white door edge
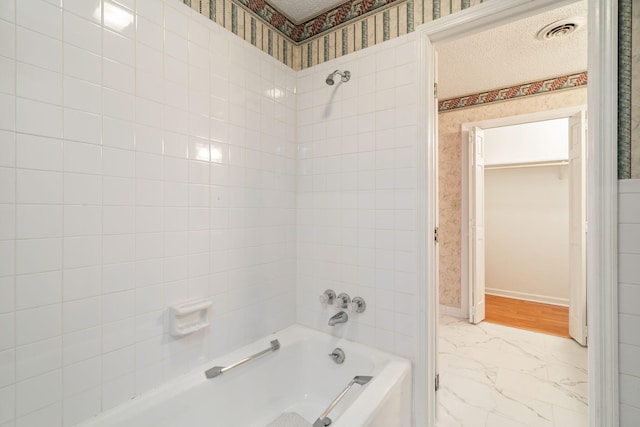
x,y
475,225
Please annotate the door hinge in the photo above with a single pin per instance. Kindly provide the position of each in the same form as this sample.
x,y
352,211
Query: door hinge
x,y
435,90
437,382
435,234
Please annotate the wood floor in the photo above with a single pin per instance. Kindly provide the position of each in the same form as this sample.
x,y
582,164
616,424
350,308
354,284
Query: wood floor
x,y
534,316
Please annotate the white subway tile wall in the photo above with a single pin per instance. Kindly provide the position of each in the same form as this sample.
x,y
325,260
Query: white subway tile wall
x,y
629,295
147,157
356,194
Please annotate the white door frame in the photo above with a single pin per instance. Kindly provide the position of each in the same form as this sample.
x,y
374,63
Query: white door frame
x,y
538,116
602,190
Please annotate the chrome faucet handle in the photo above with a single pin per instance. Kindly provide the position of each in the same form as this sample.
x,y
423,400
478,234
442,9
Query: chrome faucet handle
x,y
328,297
342,300
357,305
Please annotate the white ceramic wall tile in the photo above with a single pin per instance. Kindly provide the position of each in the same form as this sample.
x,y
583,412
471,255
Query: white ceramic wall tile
x,y
119,17
87,9
35,152
82,345
82,126
38,358
118,76
82,189
82,283
7,295
34,290
118,48
82,95
7,258
360,158
8,37
40,16
38,221
82,32
151,35
8,10
118,363
118,105
81,376
117,187
118,391
8,119
82,406
117,335
81,314
38,186
7,368
7,148
629,292
7,404
38,49
82,64
49,121
38,84
38,393
82,220
38,255
38,323
7,327
82,251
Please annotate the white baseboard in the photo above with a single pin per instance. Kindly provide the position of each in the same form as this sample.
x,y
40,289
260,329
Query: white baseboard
x,y
527,297
451,311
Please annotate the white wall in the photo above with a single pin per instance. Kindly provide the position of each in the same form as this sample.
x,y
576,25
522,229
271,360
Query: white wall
x,y
357,195
138,168
527,142
527,233
629,301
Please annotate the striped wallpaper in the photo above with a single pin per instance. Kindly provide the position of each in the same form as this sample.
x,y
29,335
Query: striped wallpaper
x,y
354,25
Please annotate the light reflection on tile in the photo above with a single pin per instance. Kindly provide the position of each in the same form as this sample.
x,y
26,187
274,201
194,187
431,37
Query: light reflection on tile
x,y
493,376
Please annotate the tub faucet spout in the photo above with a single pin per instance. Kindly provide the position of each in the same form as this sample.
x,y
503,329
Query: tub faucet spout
x,y
340,317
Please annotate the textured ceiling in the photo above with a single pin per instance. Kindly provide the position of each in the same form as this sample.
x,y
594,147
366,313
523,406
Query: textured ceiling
x,y
300,11
511,54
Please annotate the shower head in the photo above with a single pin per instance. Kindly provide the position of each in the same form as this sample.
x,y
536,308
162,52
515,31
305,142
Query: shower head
x,y
345,76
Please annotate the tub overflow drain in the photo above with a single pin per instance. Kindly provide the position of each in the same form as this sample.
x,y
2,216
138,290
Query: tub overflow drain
x,y
338,357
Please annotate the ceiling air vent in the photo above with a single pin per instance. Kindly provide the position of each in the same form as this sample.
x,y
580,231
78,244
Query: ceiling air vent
x,y
560,28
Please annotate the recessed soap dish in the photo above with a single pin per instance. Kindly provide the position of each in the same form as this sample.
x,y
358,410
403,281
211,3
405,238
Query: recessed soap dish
x,y
189,317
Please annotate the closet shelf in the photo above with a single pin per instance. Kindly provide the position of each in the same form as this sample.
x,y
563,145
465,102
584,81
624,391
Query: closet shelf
x,y
527,164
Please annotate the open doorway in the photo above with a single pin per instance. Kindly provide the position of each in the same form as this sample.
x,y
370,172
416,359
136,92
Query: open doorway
x,y
516,371
526,208
602,184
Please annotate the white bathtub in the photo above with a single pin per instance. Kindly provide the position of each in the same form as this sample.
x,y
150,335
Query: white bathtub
x,y
299,377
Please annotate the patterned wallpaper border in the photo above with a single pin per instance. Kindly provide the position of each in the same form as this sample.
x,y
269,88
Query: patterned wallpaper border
x,y
326,21
555,84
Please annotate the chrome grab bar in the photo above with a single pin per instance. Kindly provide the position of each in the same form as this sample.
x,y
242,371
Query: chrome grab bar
x,y
219,370
362,380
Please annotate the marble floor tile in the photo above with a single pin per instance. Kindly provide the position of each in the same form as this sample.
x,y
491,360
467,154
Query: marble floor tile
x,y
494,376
